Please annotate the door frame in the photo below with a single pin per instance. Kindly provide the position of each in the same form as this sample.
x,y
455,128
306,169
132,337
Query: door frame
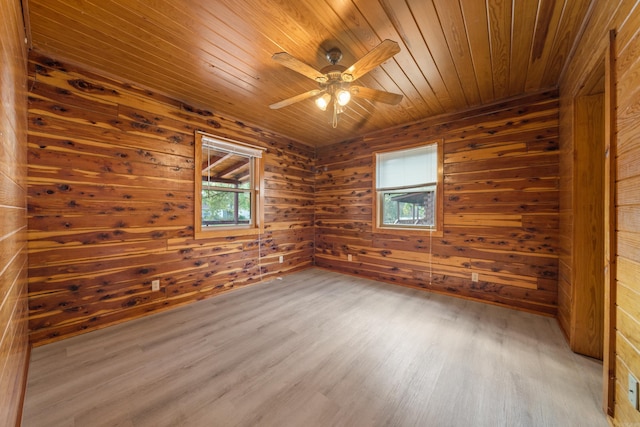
x,y
610,264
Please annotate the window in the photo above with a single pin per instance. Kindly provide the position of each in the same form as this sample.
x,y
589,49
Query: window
x,y
227,183
408,188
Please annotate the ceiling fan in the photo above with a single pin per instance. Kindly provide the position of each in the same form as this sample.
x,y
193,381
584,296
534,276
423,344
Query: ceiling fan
x,y
335,81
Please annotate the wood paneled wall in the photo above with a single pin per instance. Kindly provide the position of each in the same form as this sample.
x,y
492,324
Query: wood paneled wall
x,y
110,202
13,211
624,17
500,207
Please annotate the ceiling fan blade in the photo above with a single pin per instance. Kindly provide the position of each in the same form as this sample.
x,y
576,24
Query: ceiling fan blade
x,y
371,60
295,99
376,95
296,65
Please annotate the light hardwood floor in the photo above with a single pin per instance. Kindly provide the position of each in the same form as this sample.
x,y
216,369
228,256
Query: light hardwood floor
x,y
318,349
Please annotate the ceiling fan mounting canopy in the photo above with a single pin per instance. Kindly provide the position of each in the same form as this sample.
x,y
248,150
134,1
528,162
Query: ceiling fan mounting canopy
x,y
335,80
334,55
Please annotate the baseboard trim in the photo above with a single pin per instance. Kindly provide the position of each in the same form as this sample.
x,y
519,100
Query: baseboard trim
x,y
23,390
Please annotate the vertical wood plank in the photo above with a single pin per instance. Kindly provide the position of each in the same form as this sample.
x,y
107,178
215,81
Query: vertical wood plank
x,y
14,345
588,292
499,13
475,17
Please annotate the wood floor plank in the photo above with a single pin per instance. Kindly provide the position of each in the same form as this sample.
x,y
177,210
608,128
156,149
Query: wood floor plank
x,y
318,348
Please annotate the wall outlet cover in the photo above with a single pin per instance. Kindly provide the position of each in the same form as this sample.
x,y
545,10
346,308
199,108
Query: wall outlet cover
x,y
633,391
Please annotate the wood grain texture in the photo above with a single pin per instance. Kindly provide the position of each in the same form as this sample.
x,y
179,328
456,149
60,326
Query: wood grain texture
x,y
121,215
318,348
14,343
581,292
624,17
587,322
216,54
111,204
500,207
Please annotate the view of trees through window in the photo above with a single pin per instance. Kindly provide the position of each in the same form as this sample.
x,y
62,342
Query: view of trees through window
x,y
221,206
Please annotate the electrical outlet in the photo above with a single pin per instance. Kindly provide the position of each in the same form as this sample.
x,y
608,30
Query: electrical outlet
x,y
633,391
474,277
349,257
155,285
281,259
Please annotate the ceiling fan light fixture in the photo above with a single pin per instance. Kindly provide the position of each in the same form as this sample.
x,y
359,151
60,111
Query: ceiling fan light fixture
x,y
343,96
323,101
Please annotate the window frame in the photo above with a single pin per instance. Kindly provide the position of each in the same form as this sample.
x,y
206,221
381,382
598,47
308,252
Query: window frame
x,y
256,189
437,229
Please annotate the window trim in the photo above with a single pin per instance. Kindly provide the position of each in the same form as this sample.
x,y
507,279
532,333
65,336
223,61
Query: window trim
x,y
437,229
257,190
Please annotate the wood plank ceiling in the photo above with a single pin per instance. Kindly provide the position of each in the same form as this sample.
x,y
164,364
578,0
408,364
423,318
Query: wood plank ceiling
x,y
216,54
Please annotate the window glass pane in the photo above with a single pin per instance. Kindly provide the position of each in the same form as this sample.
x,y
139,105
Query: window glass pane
x,y
221,207
226,185
409,208
406,168
224,169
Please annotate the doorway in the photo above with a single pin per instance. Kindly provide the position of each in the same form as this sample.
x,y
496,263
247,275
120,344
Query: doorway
x,y
593,316
587,336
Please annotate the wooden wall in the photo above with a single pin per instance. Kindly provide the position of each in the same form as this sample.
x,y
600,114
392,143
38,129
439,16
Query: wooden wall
x,y
13,211
624,17
110,202
500,207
